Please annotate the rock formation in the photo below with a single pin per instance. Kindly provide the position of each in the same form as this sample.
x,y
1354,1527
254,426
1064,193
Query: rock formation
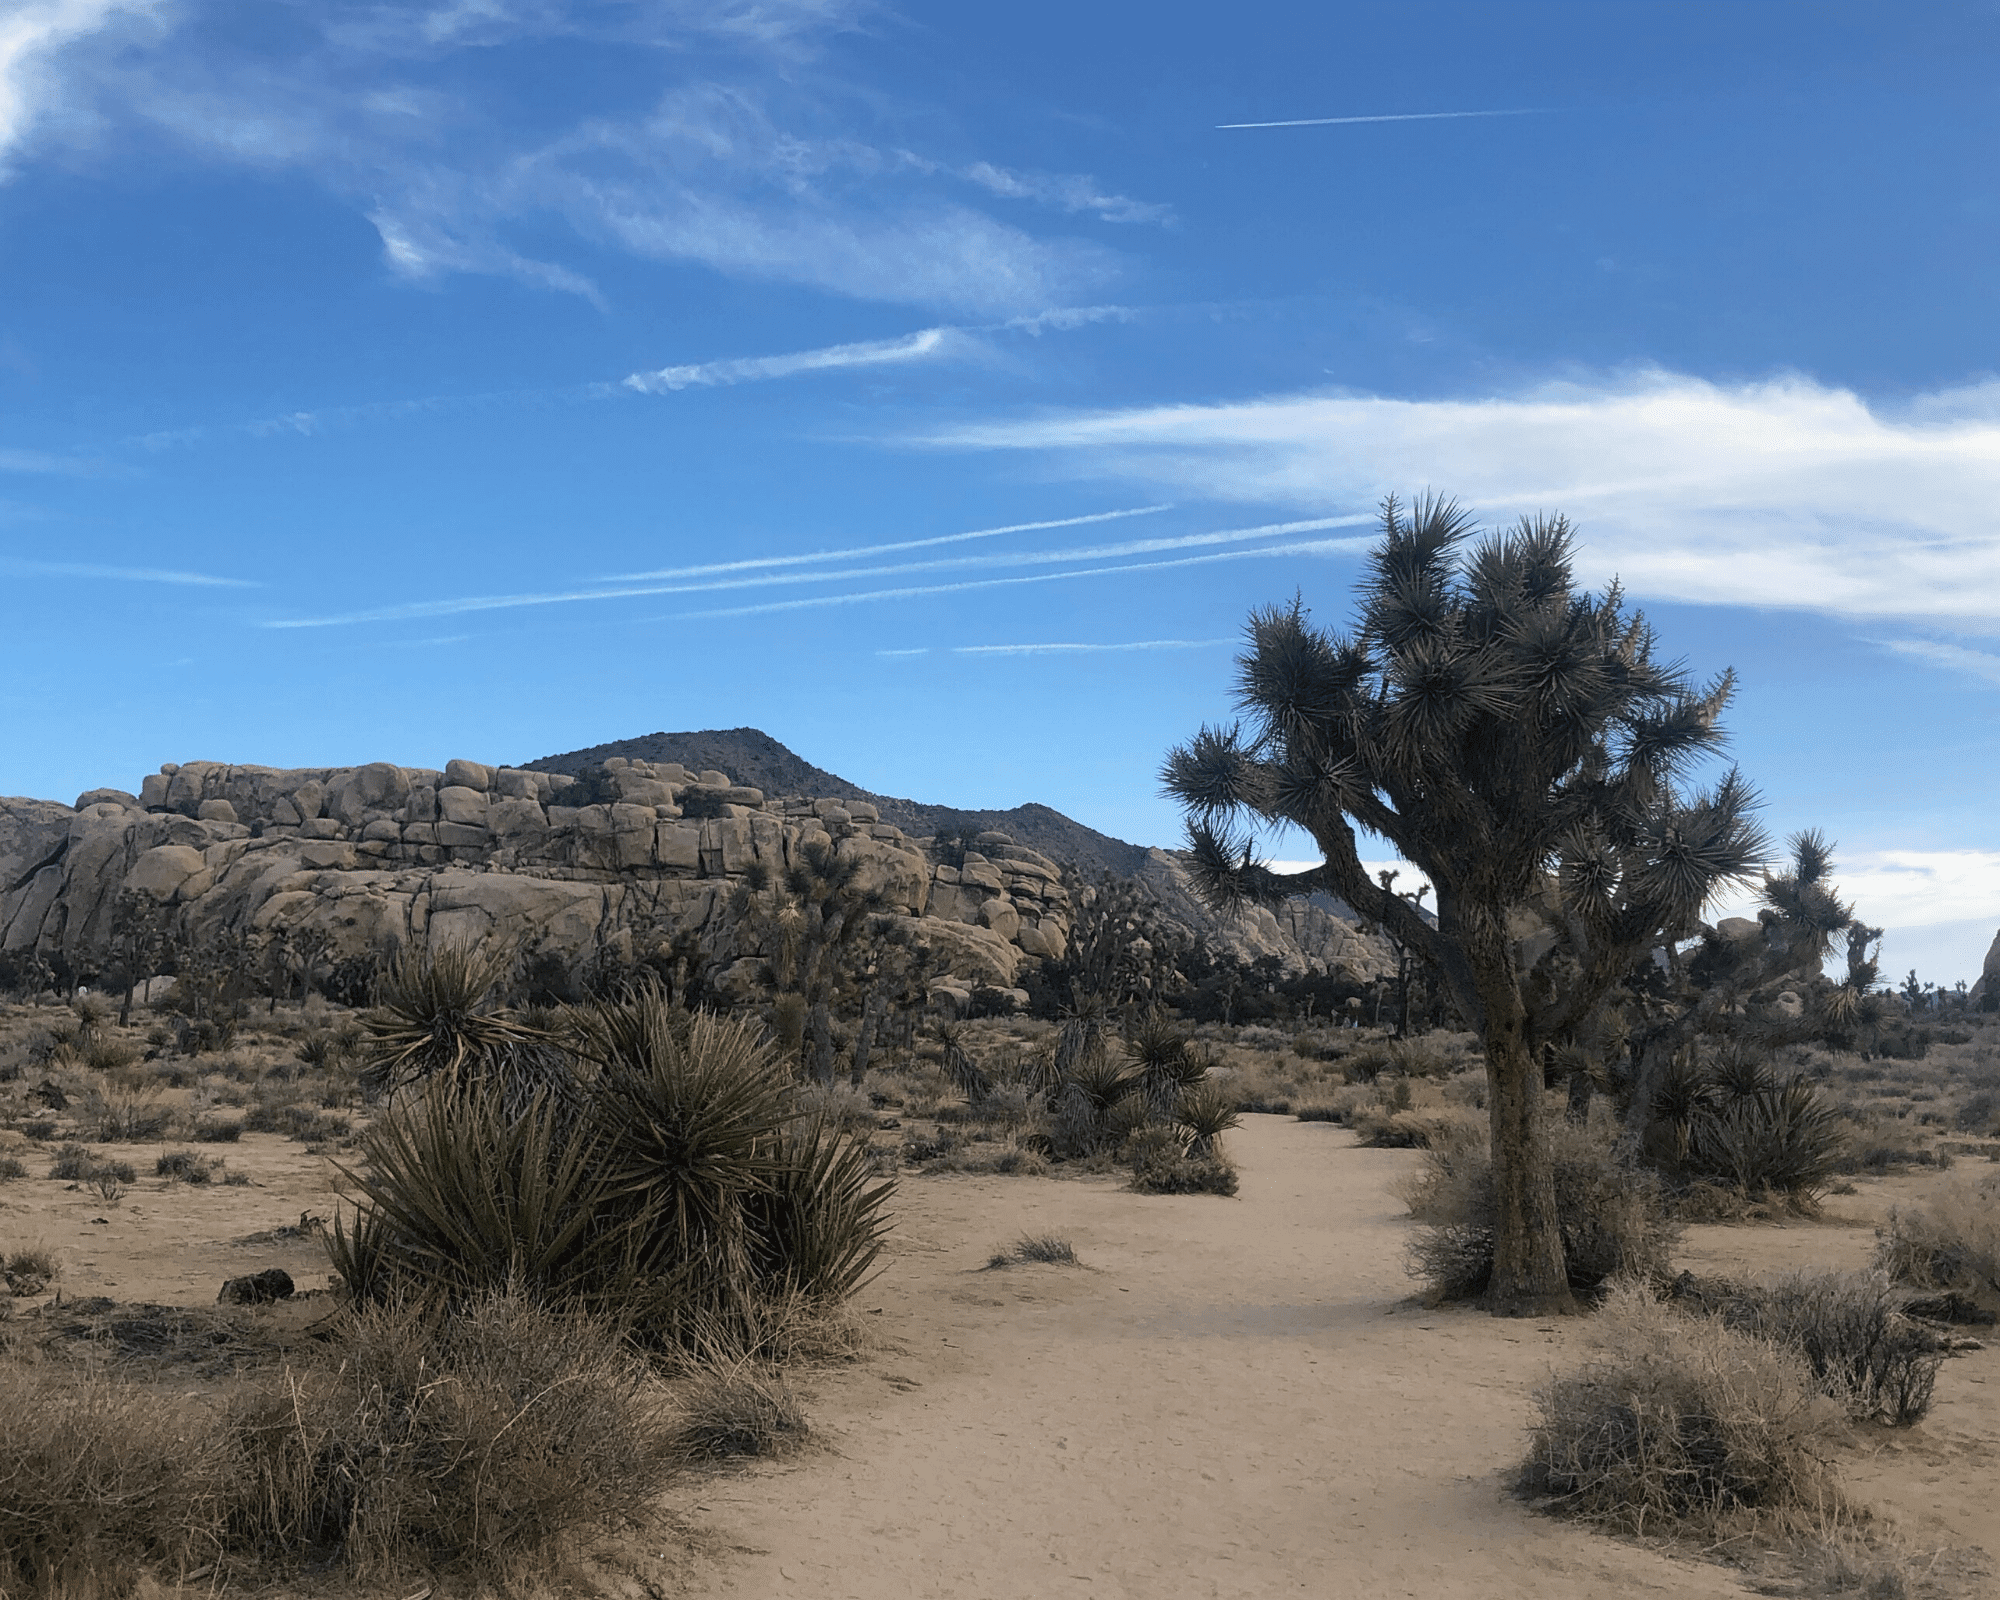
x,y
378,857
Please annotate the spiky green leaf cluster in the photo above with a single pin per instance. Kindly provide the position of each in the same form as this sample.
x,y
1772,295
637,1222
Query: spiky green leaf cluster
x,y
1504,729
673,1189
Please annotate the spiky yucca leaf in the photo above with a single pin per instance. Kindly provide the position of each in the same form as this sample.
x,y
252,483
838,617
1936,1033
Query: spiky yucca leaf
x,y
1205,1113
819,1225
435,1014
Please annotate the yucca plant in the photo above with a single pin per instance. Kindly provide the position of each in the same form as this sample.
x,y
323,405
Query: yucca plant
x,y
692,1108
667,1187
1784,1140
1204,1114
1082,1102
1166,1064
964,1072
435,1013
818,1226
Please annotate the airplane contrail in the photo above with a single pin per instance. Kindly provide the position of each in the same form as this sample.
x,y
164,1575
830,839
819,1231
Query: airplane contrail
x,y
1403,116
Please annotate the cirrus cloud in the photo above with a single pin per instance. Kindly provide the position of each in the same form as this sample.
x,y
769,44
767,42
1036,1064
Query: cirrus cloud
x,y
1781,493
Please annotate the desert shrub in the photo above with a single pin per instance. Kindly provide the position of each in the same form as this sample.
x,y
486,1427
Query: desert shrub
x,y
1047,1249
184,1166
739,1411
1008,1157
215,1130
1850,1328
12,1167
110,1055
1951,1244
1179,1173
73,1162
839,1105
1613,1219
80,1165
669,1187
1681,1421
102,1478
1434,1128
486,1441
1978,1112
30,1271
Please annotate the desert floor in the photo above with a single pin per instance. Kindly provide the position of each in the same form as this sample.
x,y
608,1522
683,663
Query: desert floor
x,y
1238,1398
1227,1398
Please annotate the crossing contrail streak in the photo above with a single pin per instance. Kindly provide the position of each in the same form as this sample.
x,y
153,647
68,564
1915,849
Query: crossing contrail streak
x,y
1401,116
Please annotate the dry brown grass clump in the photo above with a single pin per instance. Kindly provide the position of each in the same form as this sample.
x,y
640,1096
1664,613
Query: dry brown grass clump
x,y
1951,1245
747,1410
486,1442
1681,1423
1614,1221
490,1443
99,1477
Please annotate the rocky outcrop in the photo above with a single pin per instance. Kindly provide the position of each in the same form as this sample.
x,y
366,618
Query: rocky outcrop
x,y
1989,975
379,857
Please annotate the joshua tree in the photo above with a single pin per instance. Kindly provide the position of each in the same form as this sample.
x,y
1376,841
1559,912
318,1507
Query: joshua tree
x,y
1514,738
811,918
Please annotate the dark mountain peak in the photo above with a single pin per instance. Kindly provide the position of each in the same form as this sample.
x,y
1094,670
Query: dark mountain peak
x,y
751,756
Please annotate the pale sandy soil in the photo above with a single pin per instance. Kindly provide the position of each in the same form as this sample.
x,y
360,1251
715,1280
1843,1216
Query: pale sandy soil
x,y
173,1243
1229,1398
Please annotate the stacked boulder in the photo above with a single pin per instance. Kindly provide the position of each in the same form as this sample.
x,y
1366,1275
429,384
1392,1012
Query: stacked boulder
x,y
381,856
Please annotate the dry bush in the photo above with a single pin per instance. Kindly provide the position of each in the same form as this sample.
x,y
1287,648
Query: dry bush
x,y
489,1442
744,1410
1010,1157
30,1271
1864,1352
78,1164
1681,1422
1951,1245
100,1479
184,1166
1175,1172
1613,1219
1044,1248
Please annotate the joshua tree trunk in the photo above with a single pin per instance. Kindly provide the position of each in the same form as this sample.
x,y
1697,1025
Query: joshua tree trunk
x,y
871,1014
819,1031
1529,1278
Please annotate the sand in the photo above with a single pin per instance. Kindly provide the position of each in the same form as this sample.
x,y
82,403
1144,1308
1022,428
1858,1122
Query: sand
x,y
1228,1398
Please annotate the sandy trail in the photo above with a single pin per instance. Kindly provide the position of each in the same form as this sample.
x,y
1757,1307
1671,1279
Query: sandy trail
x,y
1232,1399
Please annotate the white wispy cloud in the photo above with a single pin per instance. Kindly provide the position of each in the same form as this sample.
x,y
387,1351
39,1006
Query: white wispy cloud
x,y
1400,116
1085,649
31,461
32,37
925,345
1784,493
1903,890
1067,191
78,569
739,156
1952,657
462,605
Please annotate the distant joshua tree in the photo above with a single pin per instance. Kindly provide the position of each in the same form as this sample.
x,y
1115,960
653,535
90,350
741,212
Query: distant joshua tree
x,y
1514,738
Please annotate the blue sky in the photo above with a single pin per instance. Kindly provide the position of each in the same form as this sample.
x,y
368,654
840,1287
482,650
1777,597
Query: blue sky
x,y
498,377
